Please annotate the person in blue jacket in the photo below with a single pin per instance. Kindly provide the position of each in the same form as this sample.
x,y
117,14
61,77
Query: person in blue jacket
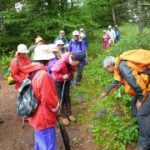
x,y
77,45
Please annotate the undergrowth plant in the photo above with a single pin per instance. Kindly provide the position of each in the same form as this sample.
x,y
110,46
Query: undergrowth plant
x,y
116,127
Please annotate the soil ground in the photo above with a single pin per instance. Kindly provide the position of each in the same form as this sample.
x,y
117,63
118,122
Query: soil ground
x,y
13,137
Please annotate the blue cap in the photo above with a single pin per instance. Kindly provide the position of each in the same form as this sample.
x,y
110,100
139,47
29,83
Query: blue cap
x,y
80,56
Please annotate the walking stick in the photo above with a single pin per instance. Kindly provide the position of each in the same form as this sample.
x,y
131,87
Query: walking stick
x,y
62,128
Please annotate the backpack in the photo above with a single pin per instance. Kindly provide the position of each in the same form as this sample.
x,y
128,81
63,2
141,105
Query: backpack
x,y
27,103
8,77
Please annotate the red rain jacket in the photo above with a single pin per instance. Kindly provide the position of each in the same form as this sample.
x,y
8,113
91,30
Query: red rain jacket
x,y
63,67
45,92
17,69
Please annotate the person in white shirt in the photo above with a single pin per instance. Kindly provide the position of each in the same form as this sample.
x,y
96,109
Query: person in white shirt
x,y
112,34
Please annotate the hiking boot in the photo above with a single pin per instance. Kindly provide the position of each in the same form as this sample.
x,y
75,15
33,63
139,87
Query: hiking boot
x,y
1,120
65,121
72,118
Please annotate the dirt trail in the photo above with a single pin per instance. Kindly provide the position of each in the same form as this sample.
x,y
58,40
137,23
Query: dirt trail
x,y
13,137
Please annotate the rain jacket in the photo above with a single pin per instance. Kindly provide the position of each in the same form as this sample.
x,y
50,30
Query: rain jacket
x,y
45,91
132,69
51,63
17,65
63,67
75,46
64,39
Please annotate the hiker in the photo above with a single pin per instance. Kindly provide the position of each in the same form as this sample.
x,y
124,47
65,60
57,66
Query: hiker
x,y
105,39
83,37
44,119
60,45
112,34
18,63
62,36
76,45
54,57
38,41
63,71
117,32
131,69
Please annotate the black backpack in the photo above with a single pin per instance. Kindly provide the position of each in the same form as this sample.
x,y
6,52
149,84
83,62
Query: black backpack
x,y
27,103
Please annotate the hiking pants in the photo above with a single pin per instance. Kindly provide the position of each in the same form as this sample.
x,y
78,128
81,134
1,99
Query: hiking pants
x,y
79,73
45,139
66,102
143,116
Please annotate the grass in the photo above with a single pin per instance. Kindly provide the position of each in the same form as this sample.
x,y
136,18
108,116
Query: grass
x,y
116,128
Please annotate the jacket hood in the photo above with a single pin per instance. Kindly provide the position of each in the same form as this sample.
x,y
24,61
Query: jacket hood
x,y
33,67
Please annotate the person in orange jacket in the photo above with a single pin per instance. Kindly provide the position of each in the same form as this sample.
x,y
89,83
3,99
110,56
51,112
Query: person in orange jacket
x,y
132,70
18,63
44,119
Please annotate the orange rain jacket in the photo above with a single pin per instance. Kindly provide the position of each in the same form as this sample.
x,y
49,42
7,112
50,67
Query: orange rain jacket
x,y
132,69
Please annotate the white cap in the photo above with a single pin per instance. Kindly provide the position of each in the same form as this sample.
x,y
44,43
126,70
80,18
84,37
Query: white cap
x,y
109,27
108,61
104,31
22,48
59,42
76,32
42,52
53,48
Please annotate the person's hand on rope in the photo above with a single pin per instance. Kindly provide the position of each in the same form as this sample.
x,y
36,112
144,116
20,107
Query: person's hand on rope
x,y
66,76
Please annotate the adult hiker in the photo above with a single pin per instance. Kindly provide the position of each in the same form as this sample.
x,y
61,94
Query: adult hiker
x,y
132,69
105,39
44,119
112,34
76,45
54,57
38,41
18,64
117,32
62,73
60,45
62,36
83,37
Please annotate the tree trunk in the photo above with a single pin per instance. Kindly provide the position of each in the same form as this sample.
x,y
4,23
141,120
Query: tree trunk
x,y
141,21
113,15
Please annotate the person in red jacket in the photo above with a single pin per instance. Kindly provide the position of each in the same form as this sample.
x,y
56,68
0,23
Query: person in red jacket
x,y
63,71
18,63
44,119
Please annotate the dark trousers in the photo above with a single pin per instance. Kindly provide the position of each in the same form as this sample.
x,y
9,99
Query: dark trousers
x,y
79,73
143,115
66,100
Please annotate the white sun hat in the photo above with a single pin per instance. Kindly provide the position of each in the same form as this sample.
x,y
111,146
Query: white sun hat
x,y
42,52
22,48
76,32
59,42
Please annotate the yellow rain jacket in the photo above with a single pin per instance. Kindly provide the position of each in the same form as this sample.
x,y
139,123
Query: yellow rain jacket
x,y
137,64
